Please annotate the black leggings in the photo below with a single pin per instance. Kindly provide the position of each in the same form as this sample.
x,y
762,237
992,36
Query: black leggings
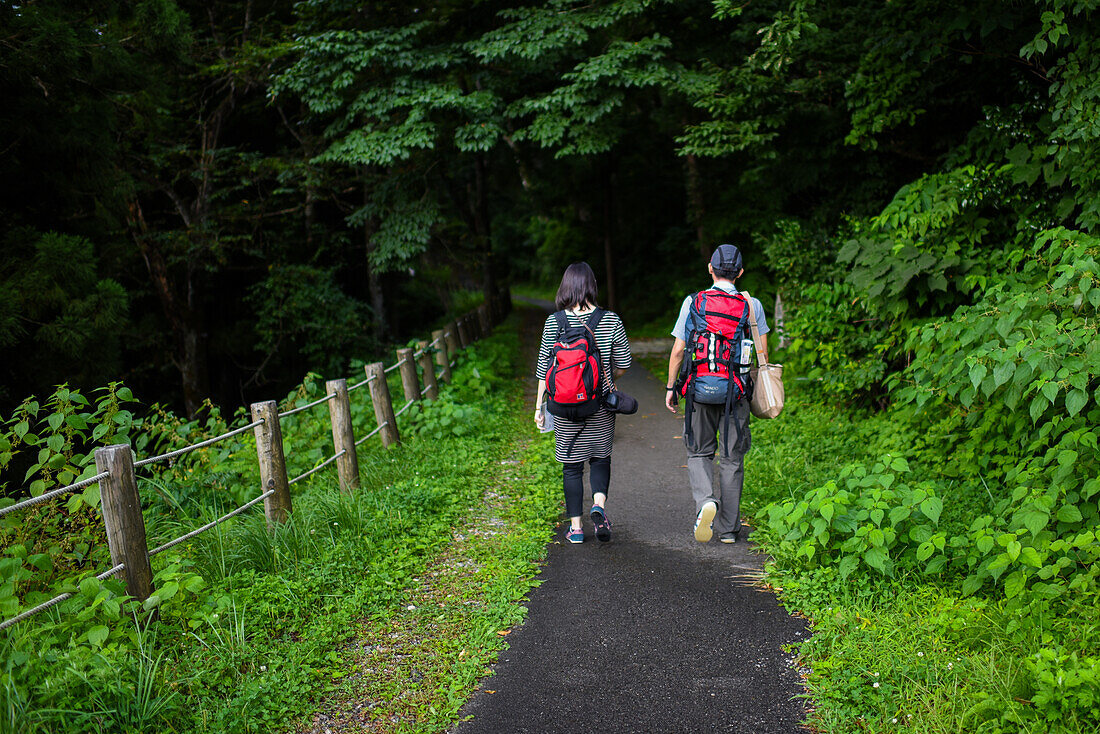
x,y
599,476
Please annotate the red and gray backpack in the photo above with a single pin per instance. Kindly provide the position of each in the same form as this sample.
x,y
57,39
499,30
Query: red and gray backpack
x,y
574,383
716,363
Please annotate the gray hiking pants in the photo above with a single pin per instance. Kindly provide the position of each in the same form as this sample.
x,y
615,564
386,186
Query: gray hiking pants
x,y
706,422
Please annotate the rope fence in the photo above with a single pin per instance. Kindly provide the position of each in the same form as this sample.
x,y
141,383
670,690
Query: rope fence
x,y
320,466
53,493
372,433
307,406
121,503
207,526
360,384
55,601
201,444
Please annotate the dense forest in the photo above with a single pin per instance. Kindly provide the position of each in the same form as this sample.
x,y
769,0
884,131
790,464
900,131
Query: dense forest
x,y
210,199
213,200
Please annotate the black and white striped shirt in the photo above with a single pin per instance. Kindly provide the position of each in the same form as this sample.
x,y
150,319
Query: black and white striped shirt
x,y
592,438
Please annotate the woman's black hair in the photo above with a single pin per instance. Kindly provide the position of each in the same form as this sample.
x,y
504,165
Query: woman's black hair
x,y
578,287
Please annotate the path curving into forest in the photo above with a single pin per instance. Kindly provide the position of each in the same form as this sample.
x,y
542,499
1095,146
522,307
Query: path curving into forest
x,y
652,632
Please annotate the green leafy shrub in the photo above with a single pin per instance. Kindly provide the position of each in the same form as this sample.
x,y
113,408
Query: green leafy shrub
x,y
870,520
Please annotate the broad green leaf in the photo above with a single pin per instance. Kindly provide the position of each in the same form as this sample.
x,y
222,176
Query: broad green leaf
x,y
932,507
1076,400
847,565
1014,584
98,635
1069,513
876,558
1030,556
925,551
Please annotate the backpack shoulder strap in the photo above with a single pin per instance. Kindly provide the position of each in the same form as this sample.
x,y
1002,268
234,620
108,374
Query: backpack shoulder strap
x,y
563,323
594,320
752,325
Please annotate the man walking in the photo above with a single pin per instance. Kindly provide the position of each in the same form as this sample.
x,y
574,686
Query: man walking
x,y
706,417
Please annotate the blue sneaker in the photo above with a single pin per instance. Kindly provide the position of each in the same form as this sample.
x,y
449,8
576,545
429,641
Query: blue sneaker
x,y
574,536
603,525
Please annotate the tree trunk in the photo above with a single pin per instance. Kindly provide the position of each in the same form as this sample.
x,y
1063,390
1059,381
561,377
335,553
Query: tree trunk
x,y
609,232
696,207
374,282
183,317
484,228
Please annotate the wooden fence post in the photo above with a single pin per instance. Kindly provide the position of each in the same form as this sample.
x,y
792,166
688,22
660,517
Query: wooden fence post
x,y
383,405
441,357
343,437
121,507
484,319
427,368
454,343
408,374
463,334
269,452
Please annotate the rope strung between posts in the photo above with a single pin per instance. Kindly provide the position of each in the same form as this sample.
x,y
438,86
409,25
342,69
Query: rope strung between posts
x,y
360,384
320,466
55,601
209,525
307,406
376,430
54,493
201,444
420,353
404,407
393,367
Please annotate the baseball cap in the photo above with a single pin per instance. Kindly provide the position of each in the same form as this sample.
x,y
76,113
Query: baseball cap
x,y
726,257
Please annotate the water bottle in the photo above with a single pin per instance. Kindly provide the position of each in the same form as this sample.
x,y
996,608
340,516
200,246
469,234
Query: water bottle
x,y
746,354
547,420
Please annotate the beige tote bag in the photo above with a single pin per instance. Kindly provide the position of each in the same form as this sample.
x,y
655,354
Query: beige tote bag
x,y
767,394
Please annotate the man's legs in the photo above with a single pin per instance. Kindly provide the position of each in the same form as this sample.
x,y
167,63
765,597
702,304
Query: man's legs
x,y
731,470
700,463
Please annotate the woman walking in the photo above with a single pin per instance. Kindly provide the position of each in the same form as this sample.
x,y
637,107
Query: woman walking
x,y
590,439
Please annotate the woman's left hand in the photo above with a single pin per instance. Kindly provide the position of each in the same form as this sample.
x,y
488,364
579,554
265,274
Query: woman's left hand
x,y
540,419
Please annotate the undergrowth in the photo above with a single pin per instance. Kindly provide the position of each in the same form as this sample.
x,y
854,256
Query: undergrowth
x,y
248,629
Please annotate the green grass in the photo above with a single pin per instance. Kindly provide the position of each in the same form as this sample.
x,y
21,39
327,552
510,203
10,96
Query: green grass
x,y
256,630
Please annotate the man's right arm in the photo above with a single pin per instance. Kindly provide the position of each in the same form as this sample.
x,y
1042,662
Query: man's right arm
x,y
675,359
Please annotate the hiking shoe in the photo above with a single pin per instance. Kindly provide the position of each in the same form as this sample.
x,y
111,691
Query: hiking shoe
x,y
573,535
729,537
703,532
603,525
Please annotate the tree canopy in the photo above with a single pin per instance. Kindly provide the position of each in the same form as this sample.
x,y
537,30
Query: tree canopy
x,y
209,200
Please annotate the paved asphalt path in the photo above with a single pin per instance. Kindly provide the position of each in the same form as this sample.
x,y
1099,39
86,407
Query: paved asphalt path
x,y
653,631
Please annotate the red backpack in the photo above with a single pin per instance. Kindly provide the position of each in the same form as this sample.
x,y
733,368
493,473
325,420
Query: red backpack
x,y
574,381
716,363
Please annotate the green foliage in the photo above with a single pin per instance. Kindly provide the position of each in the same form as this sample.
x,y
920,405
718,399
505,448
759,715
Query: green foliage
x,y
870,521
248,619
301,309
55,309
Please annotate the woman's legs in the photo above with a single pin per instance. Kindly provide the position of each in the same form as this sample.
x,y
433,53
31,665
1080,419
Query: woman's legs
x,y
599,476
573,484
